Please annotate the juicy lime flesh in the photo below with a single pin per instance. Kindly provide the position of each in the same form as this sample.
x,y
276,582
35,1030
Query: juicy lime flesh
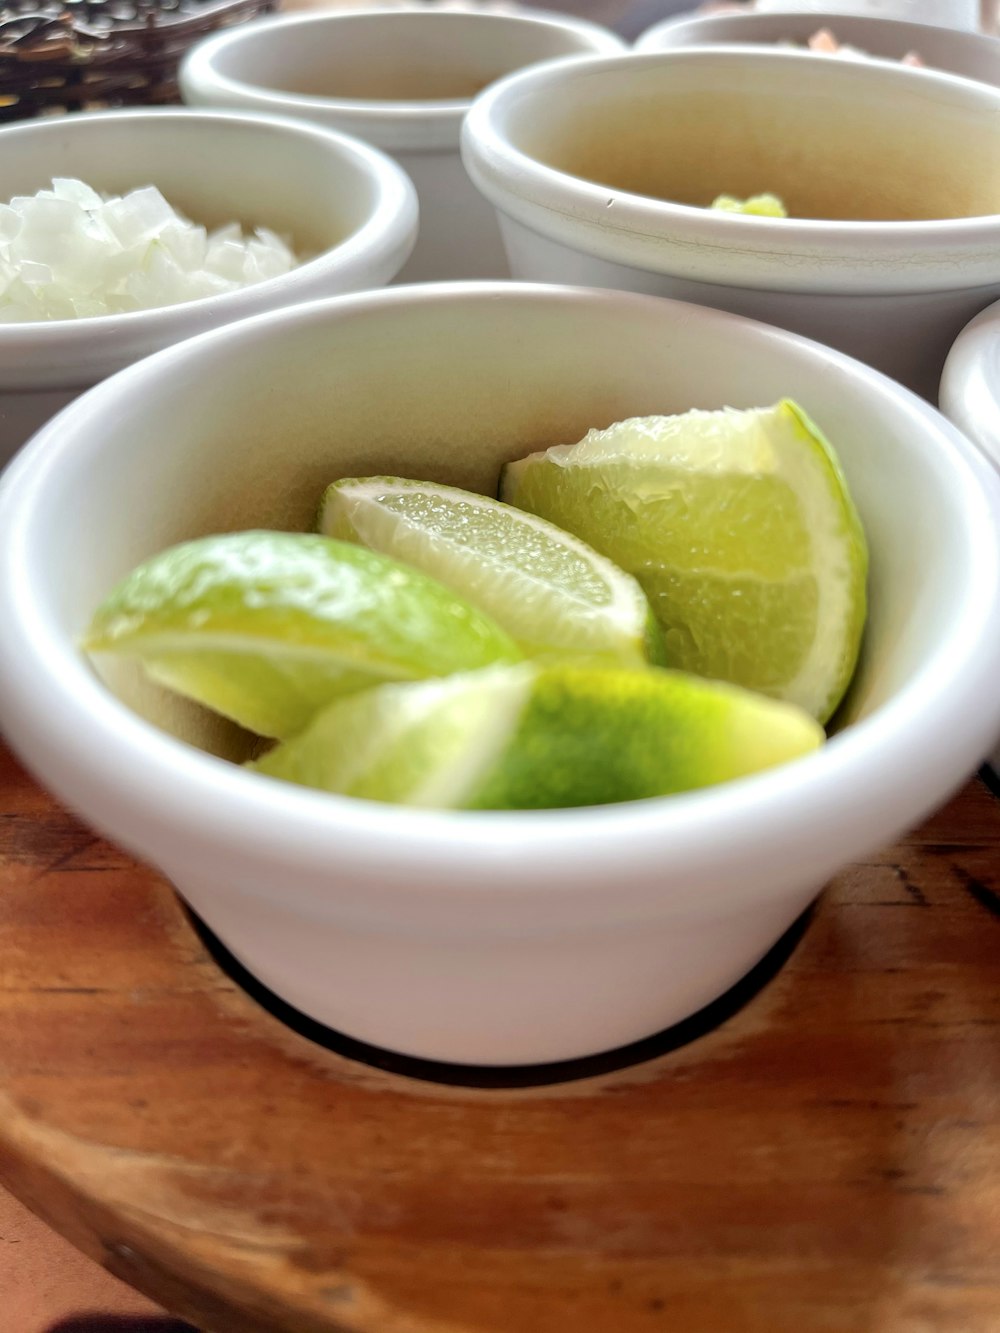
x,y
542,737
741,532
549,590
266,692
709,615
410,746
267,627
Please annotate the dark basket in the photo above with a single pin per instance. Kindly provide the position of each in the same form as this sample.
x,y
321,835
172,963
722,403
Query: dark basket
x,y
86,54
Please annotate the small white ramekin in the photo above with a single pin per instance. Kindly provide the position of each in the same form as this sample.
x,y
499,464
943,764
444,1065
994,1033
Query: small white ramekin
x,y
345,205
573,155
970,397
401,78
972,55
484,938
961,14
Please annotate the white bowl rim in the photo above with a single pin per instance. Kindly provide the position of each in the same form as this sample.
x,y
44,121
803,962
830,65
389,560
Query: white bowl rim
x,y
969,394
390,219
907,29
217,802
372,113
516,182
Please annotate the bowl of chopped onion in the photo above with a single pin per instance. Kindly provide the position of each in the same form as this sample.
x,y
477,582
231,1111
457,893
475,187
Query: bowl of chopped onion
x,y
123,232
850,36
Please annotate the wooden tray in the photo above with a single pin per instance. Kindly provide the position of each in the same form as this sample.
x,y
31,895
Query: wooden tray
x,y
821,1152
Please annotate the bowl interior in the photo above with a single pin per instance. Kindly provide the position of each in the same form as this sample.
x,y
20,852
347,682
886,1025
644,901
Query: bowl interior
x,y
838,141
393,56
214,169
247,429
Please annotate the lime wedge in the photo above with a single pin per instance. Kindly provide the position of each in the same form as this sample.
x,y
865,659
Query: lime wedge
x,y
549,590
758,205
539,737
268,627
740,529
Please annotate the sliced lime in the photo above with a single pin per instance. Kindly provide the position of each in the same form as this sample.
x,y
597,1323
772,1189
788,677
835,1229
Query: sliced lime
x,y
267,627
536,737
740,529
549,590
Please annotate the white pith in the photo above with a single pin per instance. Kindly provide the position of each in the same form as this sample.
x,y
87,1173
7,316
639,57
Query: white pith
x,y
626,610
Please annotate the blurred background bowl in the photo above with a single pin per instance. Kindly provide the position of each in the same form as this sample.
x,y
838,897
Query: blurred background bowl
x,y
970,397
970,385
969,54
965,14
401,78
601,173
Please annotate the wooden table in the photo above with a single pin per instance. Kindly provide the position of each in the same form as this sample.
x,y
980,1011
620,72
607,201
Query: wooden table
x,y
821,1152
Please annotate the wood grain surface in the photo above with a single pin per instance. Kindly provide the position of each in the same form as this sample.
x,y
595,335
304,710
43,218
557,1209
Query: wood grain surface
x,y
821,1153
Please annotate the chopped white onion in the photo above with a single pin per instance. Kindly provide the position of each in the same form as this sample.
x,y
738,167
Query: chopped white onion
x,y
70,253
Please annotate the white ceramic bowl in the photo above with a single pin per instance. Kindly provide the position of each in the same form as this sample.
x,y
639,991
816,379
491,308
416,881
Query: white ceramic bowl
x,y
969,54
970,384
401,79
970,396
964,14
339,201
574,157
496,937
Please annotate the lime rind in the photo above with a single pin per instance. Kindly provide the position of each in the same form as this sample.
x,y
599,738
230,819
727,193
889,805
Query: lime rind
x,y
536,736
267,627
836,530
